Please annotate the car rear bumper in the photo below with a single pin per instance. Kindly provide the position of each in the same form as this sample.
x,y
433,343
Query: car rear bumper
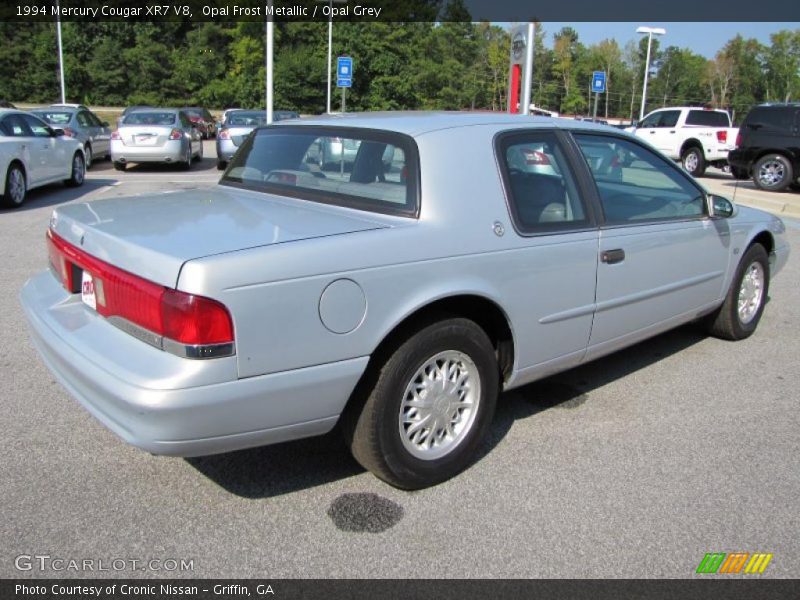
x,y
226,149
739,158
171,151
169,405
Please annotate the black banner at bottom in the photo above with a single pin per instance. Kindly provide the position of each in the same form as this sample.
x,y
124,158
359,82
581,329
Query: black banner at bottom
x,y
386,589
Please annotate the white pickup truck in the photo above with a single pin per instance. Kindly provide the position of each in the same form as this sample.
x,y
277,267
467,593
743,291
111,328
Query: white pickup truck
x,y
696,136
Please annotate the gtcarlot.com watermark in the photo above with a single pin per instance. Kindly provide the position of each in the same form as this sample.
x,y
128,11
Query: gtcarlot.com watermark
x,y
48,563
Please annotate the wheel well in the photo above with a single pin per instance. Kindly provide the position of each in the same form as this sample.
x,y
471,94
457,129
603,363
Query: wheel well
x,y
691,143
488,316
16,161
764,153
765,239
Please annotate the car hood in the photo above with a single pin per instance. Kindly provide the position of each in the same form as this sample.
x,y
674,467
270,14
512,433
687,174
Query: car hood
x,y
154,235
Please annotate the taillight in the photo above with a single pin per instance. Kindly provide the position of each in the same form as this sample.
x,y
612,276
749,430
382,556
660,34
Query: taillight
x,y
68,132
116,136
738,139
535,157
722,136
185,324
224,134
287,178
175,134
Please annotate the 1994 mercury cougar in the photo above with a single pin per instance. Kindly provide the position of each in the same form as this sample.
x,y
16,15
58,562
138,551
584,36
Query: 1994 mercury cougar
x,y
397,289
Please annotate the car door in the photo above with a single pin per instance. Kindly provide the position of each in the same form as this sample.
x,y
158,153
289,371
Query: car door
x,y
192,134
17,144
101,134
659,129
662,259
552,300
46,154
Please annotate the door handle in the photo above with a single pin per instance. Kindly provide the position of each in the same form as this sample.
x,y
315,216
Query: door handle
x,y
673,131
612,257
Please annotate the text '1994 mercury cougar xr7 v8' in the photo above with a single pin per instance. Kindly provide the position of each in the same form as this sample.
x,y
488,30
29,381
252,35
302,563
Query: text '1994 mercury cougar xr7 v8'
x,y
394,291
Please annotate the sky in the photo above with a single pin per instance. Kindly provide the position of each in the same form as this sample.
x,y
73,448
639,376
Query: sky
x,y
705,39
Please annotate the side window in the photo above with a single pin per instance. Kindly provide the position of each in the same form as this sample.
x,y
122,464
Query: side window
x,y
541,189
94,120
83,119
707,118
770,119
669,118
635,184
651,120
38,127
16,127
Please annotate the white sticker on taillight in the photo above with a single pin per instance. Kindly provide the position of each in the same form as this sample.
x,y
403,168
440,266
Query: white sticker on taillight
x,y
87,290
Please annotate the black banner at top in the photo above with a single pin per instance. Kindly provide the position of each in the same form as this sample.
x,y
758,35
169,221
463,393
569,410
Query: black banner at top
x,y
367,11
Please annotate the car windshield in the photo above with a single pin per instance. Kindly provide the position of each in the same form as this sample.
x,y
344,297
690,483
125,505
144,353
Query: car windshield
x,y
53,117
246,119
369,170
150,118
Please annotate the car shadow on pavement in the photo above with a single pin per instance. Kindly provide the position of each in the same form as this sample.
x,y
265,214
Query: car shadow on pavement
x,y
294,466
57,193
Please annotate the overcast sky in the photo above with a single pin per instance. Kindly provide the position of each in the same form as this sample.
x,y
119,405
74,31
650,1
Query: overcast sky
x,y
703,38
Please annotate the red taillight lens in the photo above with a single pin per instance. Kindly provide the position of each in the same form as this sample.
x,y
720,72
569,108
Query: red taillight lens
x,y
535,157
175,134
68,132
739,139
224,134
116,136
722,136
184,318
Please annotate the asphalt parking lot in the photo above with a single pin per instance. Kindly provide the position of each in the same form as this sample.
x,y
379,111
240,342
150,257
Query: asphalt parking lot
x,y
635,465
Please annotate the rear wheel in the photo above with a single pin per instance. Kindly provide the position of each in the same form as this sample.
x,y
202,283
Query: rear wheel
x,y
773,173
739,315
87,152
428,407
16,188
693,161
186,163
199,156
120,166
78,172
221,164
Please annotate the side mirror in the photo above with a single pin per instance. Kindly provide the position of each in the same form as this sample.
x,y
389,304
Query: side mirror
x,y
57,132
720,207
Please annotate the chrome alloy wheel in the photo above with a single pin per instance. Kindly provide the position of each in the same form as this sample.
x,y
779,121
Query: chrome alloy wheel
x,y
771,172
16,186
78,169
439,405
690,162
751,293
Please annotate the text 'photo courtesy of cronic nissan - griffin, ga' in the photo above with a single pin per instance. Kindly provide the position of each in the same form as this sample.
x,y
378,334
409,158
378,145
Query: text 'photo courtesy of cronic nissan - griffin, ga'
x,y
386,273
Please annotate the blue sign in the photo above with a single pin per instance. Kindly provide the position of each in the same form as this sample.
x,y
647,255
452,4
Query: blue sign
x,y
344,71
599,82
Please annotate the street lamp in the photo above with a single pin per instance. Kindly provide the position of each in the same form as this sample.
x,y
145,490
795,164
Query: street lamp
x,y
650,31
330,4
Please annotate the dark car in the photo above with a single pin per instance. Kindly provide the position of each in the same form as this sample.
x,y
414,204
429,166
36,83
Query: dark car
x,y
6,104
768,147
202,120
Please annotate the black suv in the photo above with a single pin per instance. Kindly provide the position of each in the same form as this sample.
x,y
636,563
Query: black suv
x,y
768,147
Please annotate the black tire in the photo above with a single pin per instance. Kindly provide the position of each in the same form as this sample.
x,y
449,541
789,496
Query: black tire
x,y
199,157
14,198
726,322
372,429
221,164
739,173
120,166
693,161
773,173
186,163
88,156
78,171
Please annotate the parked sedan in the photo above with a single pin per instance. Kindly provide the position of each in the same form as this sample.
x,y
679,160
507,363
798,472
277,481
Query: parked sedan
x,y
397,303
203,120
33,154
237,126
80,123
162,135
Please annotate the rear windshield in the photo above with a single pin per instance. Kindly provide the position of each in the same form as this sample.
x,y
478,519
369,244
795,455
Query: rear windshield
x,y
246,119
54,117
708,118
194,112
770,118
150,118
365,169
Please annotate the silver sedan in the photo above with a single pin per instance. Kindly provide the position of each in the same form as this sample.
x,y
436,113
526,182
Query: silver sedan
x,y
237,125
397,302
161,135
80,123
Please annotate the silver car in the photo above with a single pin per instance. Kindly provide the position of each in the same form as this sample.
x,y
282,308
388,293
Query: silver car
x,y
162,135
237,125
397,302
80,123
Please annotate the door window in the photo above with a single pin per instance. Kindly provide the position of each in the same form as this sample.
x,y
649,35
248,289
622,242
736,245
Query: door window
x,y
635,184
15,126
38,127
83,119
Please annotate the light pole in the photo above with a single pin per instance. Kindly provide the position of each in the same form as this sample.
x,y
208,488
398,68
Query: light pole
x,y
650,31
60,55
330,4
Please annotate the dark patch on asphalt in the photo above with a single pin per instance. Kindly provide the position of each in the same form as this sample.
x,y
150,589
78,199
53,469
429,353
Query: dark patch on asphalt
x,y
364,512
554,394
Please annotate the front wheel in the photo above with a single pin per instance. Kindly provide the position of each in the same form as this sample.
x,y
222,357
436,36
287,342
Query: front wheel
x,y
739,315
693,161
87,152
428,407
78,171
